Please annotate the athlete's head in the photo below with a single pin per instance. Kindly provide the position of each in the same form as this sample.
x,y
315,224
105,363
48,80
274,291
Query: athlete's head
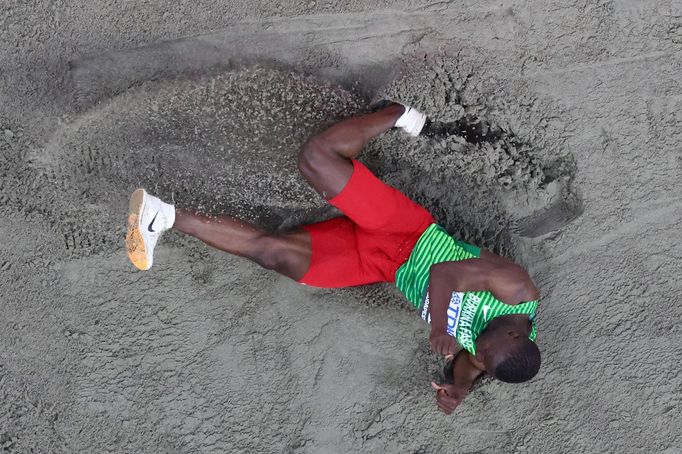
x,y
507,353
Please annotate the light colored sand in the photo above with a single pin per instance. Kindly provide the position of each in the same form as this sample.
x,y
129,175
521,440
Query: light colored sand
x,y
208,353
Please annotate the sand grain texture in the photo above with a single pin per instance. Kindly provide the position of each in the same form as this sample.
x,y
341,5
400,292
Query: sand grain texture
x,y
555,139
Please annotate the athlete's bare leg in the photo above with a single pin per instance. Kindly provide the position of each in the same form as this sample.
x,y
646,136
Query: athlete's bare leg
x,y
287,253
325,162
325,158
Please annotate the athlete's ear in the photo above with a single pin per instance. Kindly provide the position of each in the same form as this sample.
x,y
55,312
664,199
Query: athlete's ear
x,y
478,360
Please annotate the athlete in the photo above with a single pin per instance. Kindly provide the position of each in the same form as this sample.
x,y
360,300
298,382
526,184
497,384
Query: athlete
x,y
474,299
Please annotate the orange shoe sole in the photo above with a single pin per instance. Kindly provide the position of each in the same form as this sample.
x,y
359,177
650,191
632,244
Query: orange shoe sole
x,y
134,242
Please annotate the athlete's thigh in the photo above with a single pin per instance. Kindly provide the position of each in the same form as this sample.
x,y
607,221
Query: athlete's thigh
x,y
288,253
327,172
336,260
375,206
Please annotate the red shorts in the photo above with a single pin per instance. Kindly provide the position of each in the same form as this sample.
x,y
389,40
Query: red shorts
x,y
376,235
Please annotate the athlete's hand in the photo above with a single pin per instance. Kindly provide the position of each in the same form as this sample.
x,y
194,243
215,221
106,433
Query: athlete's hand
x,y
448,397
443,343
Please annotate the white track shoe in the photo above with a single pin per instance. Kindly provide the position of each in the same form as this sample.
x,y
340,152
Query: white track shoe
x,y
147,218
411,121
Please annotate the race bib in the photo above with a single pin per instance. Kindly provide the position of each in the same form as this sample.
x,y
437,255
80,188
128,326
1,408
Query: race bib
x,y
453,313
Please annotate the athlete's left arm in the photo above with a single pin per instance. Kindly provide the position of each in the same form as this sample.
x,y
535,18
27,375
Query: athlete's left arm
x,y
444,278
507,281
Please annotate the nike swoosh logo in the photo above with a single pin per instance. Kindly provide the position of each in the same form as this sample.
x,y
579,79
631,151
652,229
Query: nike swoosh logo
x,y
485,312
151,224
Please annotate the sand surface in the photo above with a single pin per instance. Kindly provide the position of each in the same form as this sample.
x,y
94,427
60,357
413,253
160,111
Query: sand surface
x,y
556,139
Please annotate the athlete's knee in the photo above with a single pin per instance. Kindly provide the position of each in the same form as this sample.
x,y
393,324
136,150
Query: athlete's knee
x,y
313,155
270,252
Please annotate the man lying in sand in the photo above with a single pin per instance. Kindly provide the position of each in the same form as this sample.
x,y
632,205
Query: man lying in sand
x,y
483,302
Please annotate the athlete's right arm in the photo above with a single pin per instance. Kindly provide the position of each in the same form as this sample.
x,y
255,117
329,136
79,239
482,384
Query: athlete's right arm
x,y
464,372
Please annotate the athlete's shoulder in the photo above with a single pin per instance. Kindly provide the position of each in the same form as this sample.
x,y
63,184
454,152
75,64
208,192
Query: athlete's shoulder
x,y
509,278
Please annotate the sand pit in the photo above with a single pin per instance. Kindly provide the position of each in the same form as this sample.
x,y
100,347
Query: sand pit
x,y
554,138
245,128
